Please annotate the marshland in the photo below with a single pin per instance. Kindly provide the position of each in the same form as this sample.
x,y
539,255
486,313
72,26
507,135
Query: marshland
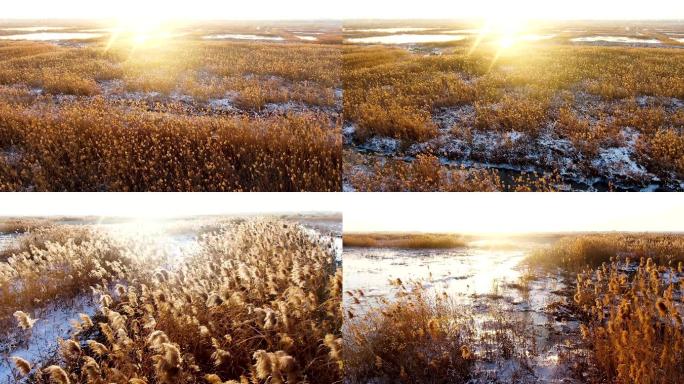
x,y
147,105
581,307
511,104
218,299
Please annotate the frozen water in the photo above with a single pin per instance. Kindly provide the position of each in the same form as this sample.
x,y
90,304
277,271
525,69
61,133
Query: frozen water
x,y
32,29
460,271
243,37
615,39
390,30
49,36
405,39
480,277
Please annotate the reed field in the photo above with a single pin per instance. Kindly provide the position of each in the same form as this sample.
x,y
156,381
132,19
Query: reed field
x,y
402,240
566,308
201,300
572,106
197,108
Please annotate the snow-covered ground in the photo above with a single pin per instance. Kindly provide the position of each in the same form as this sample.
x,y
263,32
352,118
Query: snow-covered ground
x,y
39,344
115,91
460,144
326,230
6,240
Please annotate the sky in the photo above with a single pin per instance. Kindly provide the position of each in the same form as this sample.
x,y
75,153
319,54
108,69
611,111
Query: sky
x,y
424,212
348,9
513,212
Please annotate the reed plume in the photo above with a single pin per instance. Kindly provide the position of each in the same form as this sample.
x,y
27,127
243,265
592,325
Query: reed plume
x,y
57,375
24,320
97,348
22,365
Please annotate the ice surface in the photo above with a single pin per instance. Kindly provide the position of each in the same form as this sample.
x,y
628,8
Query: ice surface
x,y
615,39
405,39
49,36
243,37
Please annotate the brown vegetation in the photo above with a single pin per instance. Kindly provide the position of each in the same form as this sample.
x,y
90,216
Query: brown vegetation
x,y
421,335
576,252
260,302
121,119
427,174
72,149
12,225
419,338
621,324
596,98
54,263
635,324
404,240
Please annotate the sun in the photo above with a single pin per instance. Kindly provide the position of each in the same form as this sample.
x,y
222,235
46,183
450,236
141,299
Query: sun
x,y
507,28
504,25
507,41
142,29
142,25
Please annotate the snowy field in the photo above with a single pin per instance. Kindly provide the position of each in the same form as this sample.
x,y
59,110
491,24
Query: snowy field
x,y
161,245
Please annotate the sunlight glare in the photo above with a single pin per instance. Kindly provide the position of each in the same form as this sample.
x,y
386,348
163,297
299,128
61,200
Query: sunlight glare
x,y
503,25
142,226
507,41
507,25
142,25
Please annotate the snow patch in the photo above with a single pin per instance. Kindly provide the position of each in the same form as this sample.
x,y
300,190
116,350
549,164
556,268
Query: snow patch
x,y
446,118
348,131
456,149
514,136
384,145
179,97
284,108
40,343
618,162
224,104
